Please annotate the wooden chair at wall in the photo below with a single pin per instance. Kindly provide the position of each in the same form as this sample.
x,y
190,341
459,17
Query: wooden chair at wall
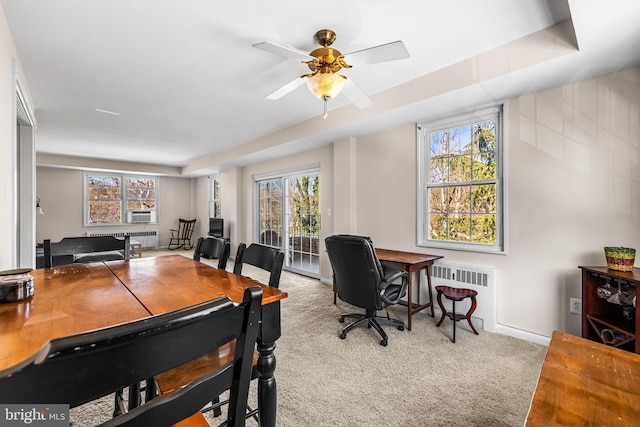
x,y
181,237
85,249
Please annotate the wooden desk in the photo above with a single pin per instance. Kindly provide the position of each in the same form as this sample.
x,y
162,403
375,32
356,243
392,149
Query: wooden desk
x,y
167,283
67,300
412,262
584,383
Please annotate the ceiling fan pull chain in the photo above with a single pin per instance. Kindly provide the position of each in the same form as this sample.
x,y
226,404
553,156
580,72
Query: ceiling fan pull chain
x,y
326,114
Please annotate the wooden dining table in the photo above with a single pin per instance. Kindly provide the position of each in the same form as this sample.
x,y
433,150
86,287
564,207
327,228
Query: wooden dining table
x,y
585,383
82,297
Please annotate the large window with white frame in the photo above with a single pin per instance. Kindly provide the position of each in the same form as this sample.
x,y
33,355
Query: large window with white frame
x,y
460,182
214,198
112,198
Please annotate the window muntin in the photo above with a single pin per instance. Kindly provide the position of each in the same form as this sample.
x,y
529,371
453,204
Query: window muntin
x,y
460,204
109,196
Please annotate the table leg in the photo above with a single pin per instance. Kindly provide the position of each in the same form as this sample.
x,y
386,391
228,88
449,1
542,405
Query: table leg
x,y
444,312
470,312
410,300
268,334
430,291
267,397
412,307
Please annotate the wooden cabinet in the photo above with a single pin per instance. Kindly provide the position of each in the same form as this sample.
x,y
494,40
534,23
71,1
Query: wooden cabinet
x,y
615,324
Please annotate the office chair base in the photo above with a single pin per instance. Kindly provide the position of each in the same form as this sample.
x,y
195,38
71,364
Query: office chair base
x,y
371,321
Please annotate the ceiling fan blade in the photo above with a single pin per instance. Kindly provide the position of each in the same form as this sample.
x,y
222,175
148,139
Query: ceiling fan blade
x,y
374,55
356,95
289,87
286,51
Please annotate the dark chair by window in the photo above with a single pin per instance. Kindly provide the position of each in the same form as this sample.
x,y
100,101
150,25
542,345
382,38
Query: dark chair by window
x,y
85,367
213,248
181,237
85,249
360,281
261,256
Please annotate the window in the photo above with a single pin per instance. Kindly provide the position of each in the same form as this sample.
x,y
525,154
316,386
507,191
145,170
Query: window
x,y
120,199
460,180
214,198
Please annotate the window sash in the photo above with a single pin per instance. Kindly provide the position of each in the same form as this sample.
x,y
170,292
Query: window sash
x,y
462,223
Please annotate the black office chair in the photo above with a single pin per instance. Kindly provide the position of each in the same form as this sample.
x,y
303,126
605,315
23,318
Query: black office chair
x,y
213,248
360,280
81,368
261,256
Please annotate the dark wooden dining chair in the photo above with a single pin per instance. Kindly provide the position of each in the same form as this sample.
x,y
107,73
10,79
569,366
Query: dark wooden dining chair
x,y
264,257
213,248
181,236
81,368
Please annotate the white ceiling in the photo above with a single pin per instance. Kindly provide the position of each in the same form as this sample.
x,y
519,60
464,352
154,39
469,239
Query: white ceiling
x,y
190,88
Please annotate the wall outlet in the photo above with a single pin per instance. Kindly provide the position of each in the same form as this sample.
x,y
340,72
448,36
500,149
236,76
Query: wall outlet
x,y
575,305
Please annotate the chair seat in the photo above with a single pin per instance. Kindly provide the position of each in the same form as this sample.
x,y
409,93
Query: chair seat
x,y
195,420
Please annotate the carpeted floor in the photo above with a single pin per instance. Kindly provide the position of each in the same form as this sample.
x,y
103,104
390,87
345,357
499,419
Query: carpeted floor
x,y
420,379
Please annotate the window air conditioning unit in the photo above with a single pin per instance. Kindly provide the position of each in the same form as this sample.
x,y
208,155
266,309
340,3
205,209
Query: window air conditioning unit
x,y
139,217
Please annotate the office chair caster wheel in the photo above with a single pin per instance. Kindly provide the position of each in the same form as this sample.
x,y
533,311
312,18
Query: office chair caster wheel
x,y
383,342
341,319
342,335
401,327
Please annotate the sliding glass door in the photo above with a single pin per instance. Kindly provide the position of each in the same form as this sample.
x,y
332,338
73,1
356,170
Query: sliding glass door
x,y
288,218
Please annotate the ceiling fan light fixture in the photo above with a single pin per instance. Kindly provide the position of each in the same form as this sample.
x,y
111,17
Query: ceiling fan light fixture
x,y
325,86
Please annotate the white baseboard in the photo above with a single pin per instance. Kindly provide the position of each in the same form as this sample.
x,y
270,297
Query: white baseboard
x,y
523,335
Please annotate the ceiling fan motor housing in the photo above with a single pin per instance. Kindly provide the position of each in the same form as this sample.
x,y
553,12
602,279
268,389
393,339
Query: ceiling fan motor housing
x,y
325,37
328,60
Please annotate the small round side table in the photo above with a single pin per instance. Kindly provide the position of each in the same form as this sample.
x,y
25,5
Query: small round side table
x,y
456,294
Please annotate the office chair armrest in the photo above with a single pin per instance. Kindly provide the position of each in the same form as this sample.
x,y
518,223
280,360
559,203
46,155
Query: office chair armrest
x,y
388,281
392,277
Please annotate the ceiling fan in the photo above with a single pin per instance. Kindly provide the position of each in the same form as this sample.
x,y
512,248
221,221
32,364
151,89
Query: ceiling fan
x,y
325,62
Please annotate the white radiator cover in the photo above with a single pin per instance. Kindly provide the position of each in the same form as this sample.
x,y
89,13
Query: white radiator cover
x,y
480,279
148,238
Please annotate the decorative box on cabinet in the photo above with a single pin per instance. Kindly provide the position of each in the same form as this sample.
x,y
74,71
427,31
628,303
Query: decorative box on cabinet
x,y
598,314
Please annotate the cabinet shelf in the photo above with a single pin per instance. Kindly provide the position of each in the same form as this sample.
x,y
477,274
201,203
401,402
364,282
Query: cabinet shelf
x,y
622,330
598,315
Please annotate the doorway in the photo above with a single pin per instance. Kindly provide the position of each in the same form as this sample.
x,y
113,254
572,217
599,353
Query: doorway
x,y
289,219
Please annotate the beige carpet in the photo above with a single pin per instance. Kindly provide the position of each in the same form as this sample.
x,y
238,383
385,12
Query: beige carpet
x,y
420,379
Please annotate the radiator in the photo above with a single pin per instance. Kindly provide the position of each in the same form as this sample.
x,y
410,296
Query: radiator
x,y
148,238
479,279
